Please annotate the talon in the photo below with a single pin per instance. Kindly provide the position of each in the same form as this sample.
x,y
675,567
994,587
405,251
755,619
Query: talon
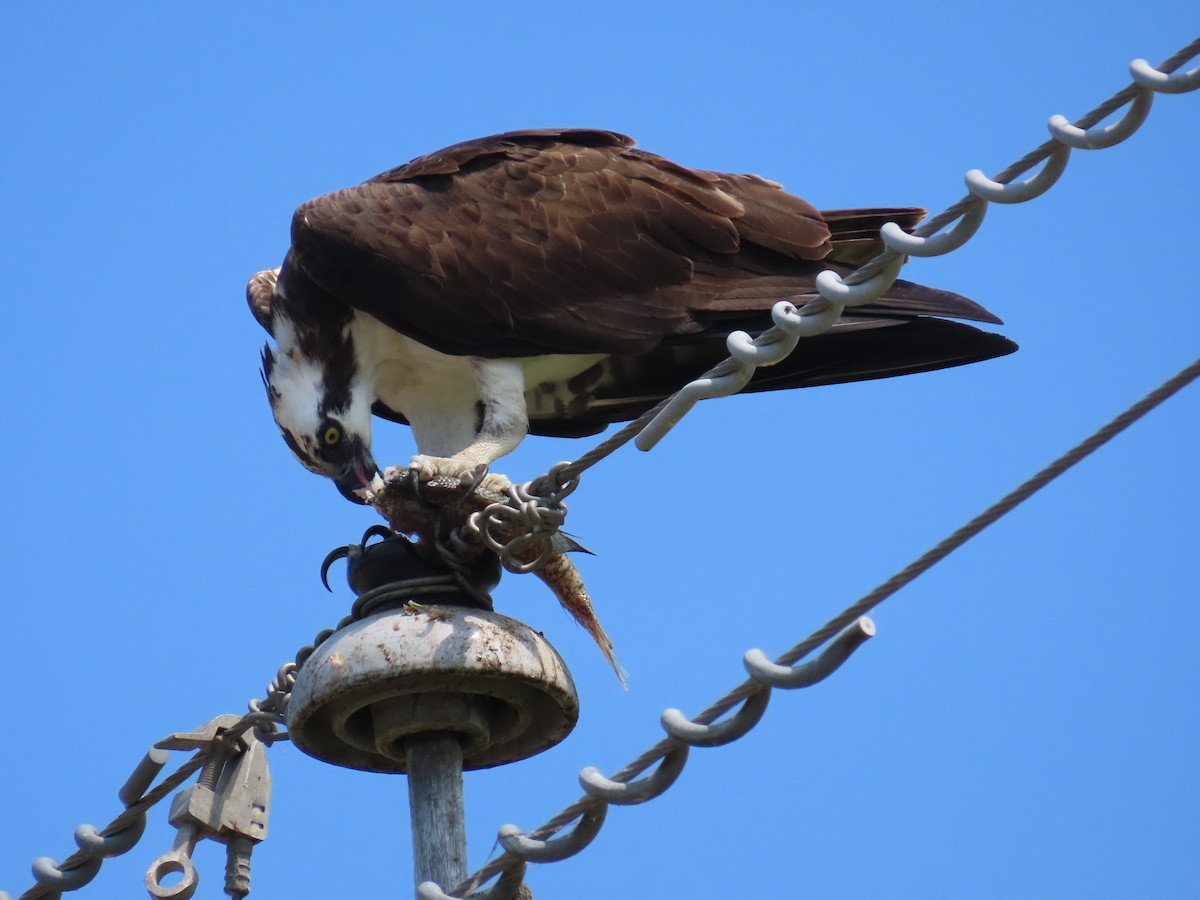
x,y
448,472
423,468
473,479
332,557
377,531
435,482
416,487
350,549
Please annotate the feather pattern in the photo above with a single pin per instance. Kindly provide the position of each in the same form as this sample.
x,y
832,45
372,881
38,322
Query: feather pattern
x,y
573,241
523,242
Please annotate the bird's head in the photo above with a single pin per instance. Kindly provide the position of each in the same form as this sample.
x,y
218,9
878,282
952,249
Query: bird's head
x,y
324,415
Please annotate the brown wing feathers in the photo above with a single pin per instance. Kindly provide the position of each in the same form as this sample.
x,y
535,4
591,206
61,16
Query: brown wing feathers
x,y
526,242
576,242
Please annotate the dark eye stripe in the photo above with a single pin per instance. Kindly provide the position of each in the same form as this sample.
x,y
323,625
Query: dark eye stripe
x,y
305,459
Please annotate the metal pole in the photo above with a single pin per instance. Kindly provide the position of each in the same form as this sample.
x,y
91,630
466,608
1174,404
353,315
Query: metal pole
x,y
435,800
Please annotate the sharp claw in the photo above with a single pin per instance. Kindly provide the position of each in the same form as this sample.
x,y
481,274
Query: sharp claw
x,y
415,487
473,479
352,549
332,557
377,531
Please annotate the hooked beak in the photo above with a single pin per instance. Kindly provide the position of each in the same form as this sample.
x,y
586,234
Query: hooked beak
x,y
357,473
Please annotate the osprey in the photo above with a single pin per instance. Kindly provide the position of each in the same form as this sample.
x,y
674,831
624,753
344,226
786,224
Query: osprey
x,y
553,282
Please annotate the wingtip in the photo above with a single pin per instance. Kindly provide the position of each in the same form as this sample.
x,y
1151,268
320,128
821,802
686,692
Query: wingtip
x,y
985,315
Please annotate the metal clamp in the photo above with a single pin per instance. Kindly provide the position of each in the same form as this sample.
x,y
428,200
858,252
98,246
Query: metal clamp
x,y
228,804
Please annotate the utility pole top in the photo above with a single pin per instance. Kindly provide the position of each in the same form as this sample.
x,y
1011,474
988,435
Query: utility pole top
x,y
426,655
490,680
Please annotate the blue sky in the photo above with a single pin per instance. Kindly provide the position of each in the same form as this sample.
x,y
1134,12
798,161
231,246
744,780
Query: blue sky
x,y
1025,722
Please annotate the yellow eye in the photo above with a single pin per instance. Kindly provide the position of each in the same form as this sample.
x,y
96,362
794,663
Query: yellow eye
x,y
332,435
